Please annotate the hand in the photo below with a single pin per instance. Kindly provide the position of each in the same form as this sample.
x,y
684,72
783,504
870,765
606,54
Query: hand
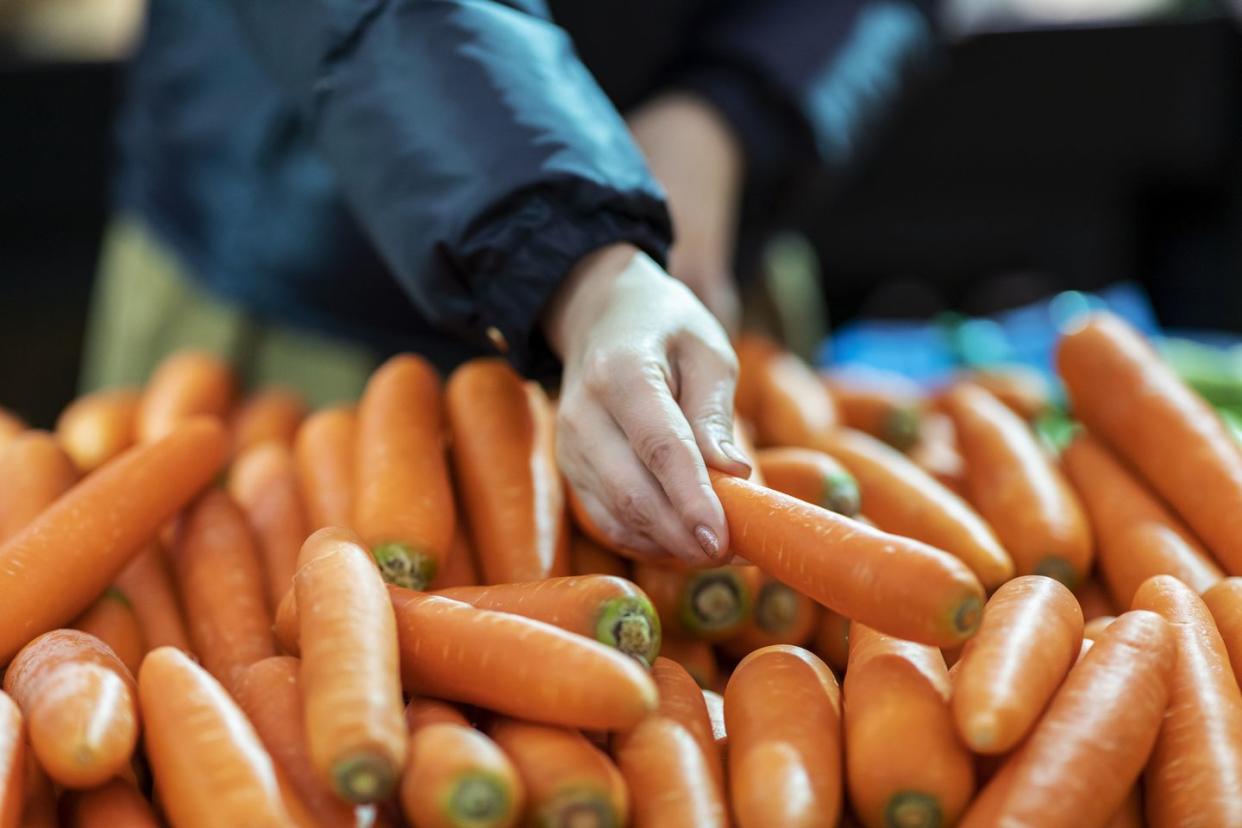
x,y
647,396
693,153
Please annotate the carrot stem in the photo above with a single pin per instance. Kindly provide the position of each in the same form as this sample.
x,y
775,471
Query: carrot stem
x,y
911,809
631,625
364,777
403,566
478,798
714,600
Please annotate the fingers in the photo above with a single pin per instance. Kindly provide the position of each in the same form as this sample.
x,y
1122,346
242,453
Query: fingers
x,y
708,380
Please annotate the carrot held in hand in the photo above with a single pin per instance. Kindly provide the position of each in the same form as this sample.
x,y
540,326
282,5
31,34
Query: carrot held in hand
x,y
810,475
12,762
34,471
610,610
711,604
268,415
1225,603
896,584
185,385
458,778
264,483
117,804
403,505
96,527
1029,639
111,619
324,450
97,427
885,405
145,581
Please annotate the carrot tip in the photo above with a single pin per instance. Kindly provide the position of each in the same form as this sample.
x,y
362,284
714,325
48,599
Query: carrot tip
x,y
114,594
402,566
968,616
901,428
980,732
841,495
911,809
478,800
776,607
1058,569
579,809
364,778
715,600
630,624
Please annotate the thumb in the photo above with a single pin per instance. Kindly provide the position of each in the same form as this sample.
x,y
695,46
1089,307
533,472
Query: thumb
x,y
707,383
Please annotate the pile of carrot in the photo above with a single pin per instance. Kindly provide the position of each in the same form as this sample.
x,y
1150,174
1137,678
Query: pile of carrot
x,y
220,609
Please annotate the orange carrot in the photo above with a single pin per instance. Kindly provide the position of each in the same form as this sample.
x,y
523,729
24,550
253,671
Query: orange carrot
x,y
780,615
269,693
1130,814
186,384
221,584
1024,391
350,684
39,805
209,766
696,656
1018,490
269,414
112,620
420,713
885,405
715,713
586,557
1136,535
1082,759
896,584
117,804
568,780
783,714
742,432
711,604
264,482
34,471
668,778
459,567
935,451
681,700
403,505
1093,600
12,762
1129,398
610,610
812,476
903,499
96,527
1094,628
795,409
1029,639
324,450
1225,602
458,778
506,469
79,704
1194,774
832,639
753,352
10,426
148,586
97,427
285,627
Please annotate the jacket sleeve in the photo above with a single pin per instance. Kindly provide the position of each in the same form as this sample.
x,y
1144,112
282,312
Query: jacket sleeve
x,y
475,149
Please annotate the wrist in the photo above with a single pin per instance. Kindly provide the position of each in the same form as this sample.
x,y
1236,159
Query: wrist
x,y
584,295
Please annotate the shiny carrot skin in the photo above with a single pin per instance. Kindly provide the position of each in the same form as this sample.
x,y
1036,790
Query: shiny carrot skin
x,y
668,778
832,639
1136,536
1225,603
1130,814
936,452
1029,639
1094,628
904,763
1094,600
1194,775
795,409
783,715
264,483
185,385
506,471
753,352
696,656
351,689
711,604
12,762
403,504
607,609
147,584
421,712
96,527
97,427
780,615
812,476
1129,398
459,567
209,766
886,406
681,700
1081,760
268,415
324,451
568,780
715,713
112,620
221,583
901,586
117,804
458,778
80,706
586,557
34,471
903,499
285,627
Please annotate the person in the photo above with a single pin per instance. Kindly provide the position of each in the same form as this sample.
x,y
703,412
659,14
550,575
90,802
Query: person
x,y
448,177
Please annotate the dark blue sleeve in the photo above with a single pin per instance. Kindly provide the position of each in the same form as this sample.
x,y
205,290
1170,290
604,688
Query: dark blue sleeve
x,y
475,149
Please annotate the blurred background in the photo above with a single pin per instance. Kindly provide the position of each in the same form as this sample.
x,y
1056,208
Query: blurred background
x,y
1061,145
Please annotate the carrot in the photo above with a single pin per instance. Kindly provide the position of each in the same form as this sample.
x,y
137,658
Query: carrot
x,y
270,414
112,620
1024,391
210,767
1093,600
1081,760
1029,639
568,781
97,427
753,351
1136,535
403,505
1225,603
1130,814
586,557
812,476
742,438
458,778
264,482
1018,490
78,700
459,567
117,804
1094,628
780,615
10,426
903,499
12,762
935,451
420,713
681,700
285,627
711,604
795,409
38,809
96,527
899,585
186,384
505,462
832,639
715,713
667,776
696,656
148,586
270,694
1194,775
885,405
610,610
221,584
34,471
783,715
324,451
350,684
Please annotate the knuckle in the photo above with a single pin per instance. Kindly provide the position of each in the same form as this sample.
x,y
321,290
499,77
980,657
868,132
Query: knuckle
x,y
636,511
660,451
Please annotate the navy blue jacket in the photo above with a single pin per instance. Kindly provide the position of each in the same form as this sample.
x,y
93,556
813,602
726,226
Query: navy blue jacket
x,y
417,173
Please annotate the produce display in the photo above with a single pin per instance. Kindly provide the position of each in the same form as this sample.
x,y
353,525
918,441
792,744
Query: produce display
x,y
220,609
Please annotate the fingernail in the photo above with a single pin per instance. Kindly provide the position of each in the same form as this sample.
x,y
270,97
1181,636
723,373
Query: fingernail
x,y
734,453
708,540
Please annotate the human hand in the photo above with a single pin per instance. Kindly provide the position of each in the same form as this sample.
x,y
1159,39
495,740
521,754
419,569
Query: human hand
x,y
646,397
694,155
